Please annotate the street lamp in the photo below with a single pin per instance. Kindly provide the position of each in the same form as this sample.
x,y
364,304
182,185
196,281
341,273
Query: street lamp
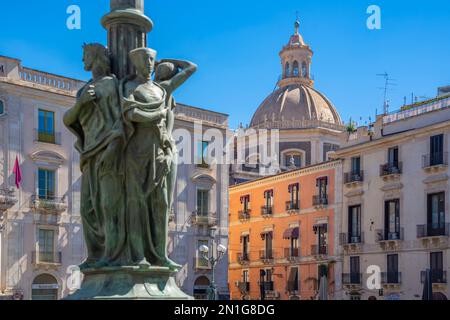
x,y
221,250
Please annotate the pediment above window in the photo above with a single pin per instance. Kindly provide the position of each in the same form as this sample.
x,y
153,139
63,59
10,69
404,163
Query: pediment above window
x,y
49,157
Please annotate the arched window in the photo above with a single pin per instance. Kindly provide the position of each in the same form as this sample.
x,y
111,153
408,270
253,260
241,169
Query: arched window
x,y
287,70
44,287
295,69
201,286
2,107
304,70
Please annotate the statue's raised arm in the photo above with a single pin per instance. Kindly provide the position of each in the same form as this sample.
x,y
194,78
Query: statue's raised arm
x,y
172,73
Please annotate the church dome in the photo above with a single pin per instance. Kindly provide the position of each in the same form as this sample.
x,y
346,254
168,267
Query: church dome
x,y
296,104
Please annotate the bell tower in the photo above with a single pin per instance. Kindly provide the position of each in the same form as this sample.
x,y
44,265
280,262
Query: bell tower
x,y
127,27
296,61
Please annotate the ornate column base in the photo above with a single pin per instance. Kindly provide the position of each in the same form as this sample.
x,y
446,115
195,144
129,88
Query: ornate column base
x,y
129,283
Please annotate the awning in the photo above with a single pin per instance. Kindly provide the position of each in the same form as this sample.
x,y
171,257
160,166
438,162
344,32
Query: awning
x,y
292,233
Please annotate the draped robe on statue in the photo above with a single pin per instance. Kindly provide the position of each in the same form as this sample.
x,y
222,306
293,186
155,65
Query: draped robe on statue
x,y
146,179
99,129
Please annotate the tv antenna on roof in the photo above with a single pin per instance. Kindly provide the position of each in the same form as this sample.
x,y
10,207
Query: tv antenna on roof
x,y
388,82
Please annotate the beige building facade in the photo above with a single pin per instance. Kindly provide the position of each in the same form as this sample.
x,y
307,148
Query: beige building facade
x,y
396,199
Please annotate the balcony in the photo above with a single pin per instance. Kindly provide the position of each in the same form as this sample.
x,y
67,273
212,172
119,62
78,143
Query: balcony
x,y
48,204
389,240
266,256
319,250
351,243
320,201
435,161
356,177
437,276
391,278
292,206
433,230
266,211
204,218
293,288
389,169
46,258
292,254
244,214
243,258
244,287
47,137
353,280
7,199
268,285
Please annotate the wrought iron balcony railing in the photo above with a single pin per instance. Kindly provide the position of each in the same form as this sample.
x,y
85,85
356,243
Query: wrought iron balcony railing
x,y
46,257
293,287
386,235
266,210
435,159
437,276
320,200
292,253
48,203
433,230
7,199
243,258
391,168
347,238
319,250
204,218
268,285
47,137
391,277
266,254
352,278
293,205
244,287
244,214
354,176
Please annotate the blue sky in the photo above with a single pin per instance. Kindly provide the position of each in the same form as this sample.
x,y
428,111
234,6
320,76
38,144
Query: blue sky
x,y
236,45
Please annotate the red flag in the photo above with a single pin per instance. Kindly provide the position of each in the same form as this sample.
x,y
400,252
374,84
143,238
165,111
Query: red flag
x,y
17,173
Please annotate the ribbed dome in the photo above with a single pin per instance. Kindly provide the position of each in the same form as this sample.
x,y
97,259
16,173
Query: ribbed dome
x,y
296,102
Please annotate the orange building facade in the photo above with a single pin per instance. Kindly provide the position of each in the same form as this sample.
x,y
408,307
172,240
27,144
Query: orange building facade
x,y
284,236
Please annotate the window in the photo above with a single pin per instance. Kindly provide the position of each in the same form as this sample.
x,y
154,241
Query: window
x,y
356,165
46,184
304,70
287,70
392,268
322,238
295,70
354,224
437,267
297,160
268,245
392,219
355,273
203,153
245,201
436,214
266,279
322,185
202,202
46,126
293,280
44,287
201,261
245,240
437,150
294,196
393,157
2,107
46,244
